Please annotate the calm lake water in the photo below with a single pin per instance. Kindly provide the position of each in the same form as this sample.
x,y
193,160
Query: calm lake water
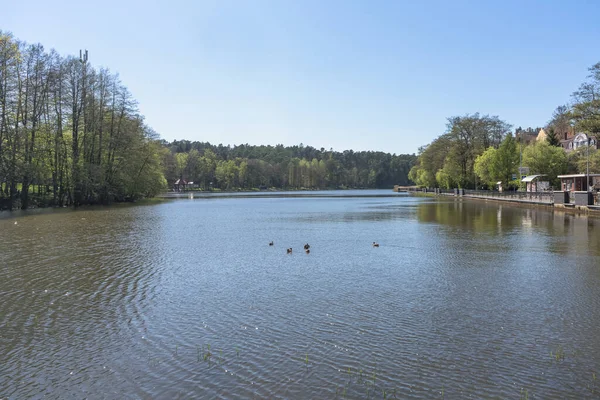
x,y
185,299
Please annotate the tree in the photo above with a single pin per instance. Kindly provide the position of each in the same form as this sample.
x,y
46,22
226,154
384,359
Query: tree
x,y
430,160
471,135
181,162
455,151
506,160
560,124
541,158
586,110
551,137
498,164
484,167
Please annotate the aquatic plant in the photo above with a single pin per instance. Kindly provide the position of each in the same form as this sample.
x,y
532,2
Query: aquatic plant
x,y
593,386
207,354
559,355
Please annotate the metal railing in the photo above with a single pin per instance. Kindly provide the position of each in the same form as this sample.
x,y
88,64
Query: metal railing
x,y
525,197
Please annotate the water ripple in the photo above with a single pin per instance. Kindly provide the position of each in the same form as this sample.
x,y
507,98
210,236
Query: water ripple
x,y
460,300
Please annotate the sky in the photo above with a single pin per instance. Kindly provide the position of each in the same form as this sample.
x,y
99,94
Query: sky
x,y
362,75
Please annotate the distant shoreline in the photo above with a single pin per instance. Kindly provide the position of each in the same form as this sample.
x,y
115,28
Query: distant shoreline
x,y
385,192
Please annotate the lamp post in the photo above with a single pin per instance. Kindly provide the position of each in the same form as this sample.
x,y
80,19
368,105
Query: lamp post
x,y
587,175
520,156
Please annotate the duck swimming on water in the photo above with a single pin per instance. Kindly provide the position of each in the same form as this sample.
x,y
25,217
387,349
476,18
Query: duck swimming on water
x,y
289,251
306,246
271,243
375,244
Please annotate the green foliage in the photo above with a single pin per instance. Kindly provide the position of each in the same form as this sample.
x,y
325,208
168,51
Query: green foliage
x,y
506,160
431,159
294,167
450,159
444,179
552,138
498,164
484,167
578,161
70,134
541,158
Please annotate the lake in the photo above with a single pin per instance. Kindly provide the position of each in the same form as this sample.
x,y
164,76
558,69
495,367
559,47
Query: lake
x,y
185,298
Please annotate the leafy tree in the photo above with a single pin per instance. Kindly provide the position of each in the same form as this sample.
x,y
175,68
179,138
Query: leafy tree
x,y
506,160
471,135
454,152
444,179
430,160
484,167
541,158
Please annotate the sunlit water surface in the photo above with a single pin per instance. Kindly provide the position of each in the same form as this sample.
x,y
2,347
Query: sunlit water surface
x,y
186,299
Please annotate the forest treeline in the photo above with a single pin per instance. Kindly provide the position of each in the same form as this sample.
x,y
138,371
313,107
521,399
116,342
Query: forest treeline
x,y
477,151
70,134
283,167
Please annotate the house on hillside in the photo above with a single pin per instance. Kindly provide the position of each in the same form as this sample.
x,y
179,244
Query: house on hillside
x,y
576,141
541,136
526,136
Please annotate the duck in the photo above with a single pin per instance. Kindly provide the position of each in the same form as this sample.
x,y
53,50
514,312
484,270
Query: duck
x,y
271,243
307,251
306,246
375,244
289,251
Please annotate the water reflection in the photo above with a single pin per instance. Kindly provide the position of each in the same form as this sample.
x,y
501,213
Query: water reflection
x,y
571,233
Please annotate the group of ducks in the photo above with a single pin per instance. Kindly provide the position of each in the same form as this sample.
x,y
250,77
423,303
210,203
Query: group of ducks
x,y
289,251
307,247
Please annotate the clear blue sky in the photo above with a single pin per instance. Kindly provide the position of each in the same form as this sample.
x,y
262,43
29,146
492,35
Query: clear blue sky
x,y
365,75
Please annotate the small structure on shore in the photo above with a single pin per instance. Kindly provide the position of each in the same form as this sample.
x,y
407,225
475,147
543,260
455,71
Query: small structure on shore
x,y
577,182
534,184
180,185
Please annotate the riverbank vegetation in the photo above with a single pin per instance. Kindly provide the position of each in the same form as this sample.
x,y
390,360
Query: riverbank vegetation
x,y
70,134
476,151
